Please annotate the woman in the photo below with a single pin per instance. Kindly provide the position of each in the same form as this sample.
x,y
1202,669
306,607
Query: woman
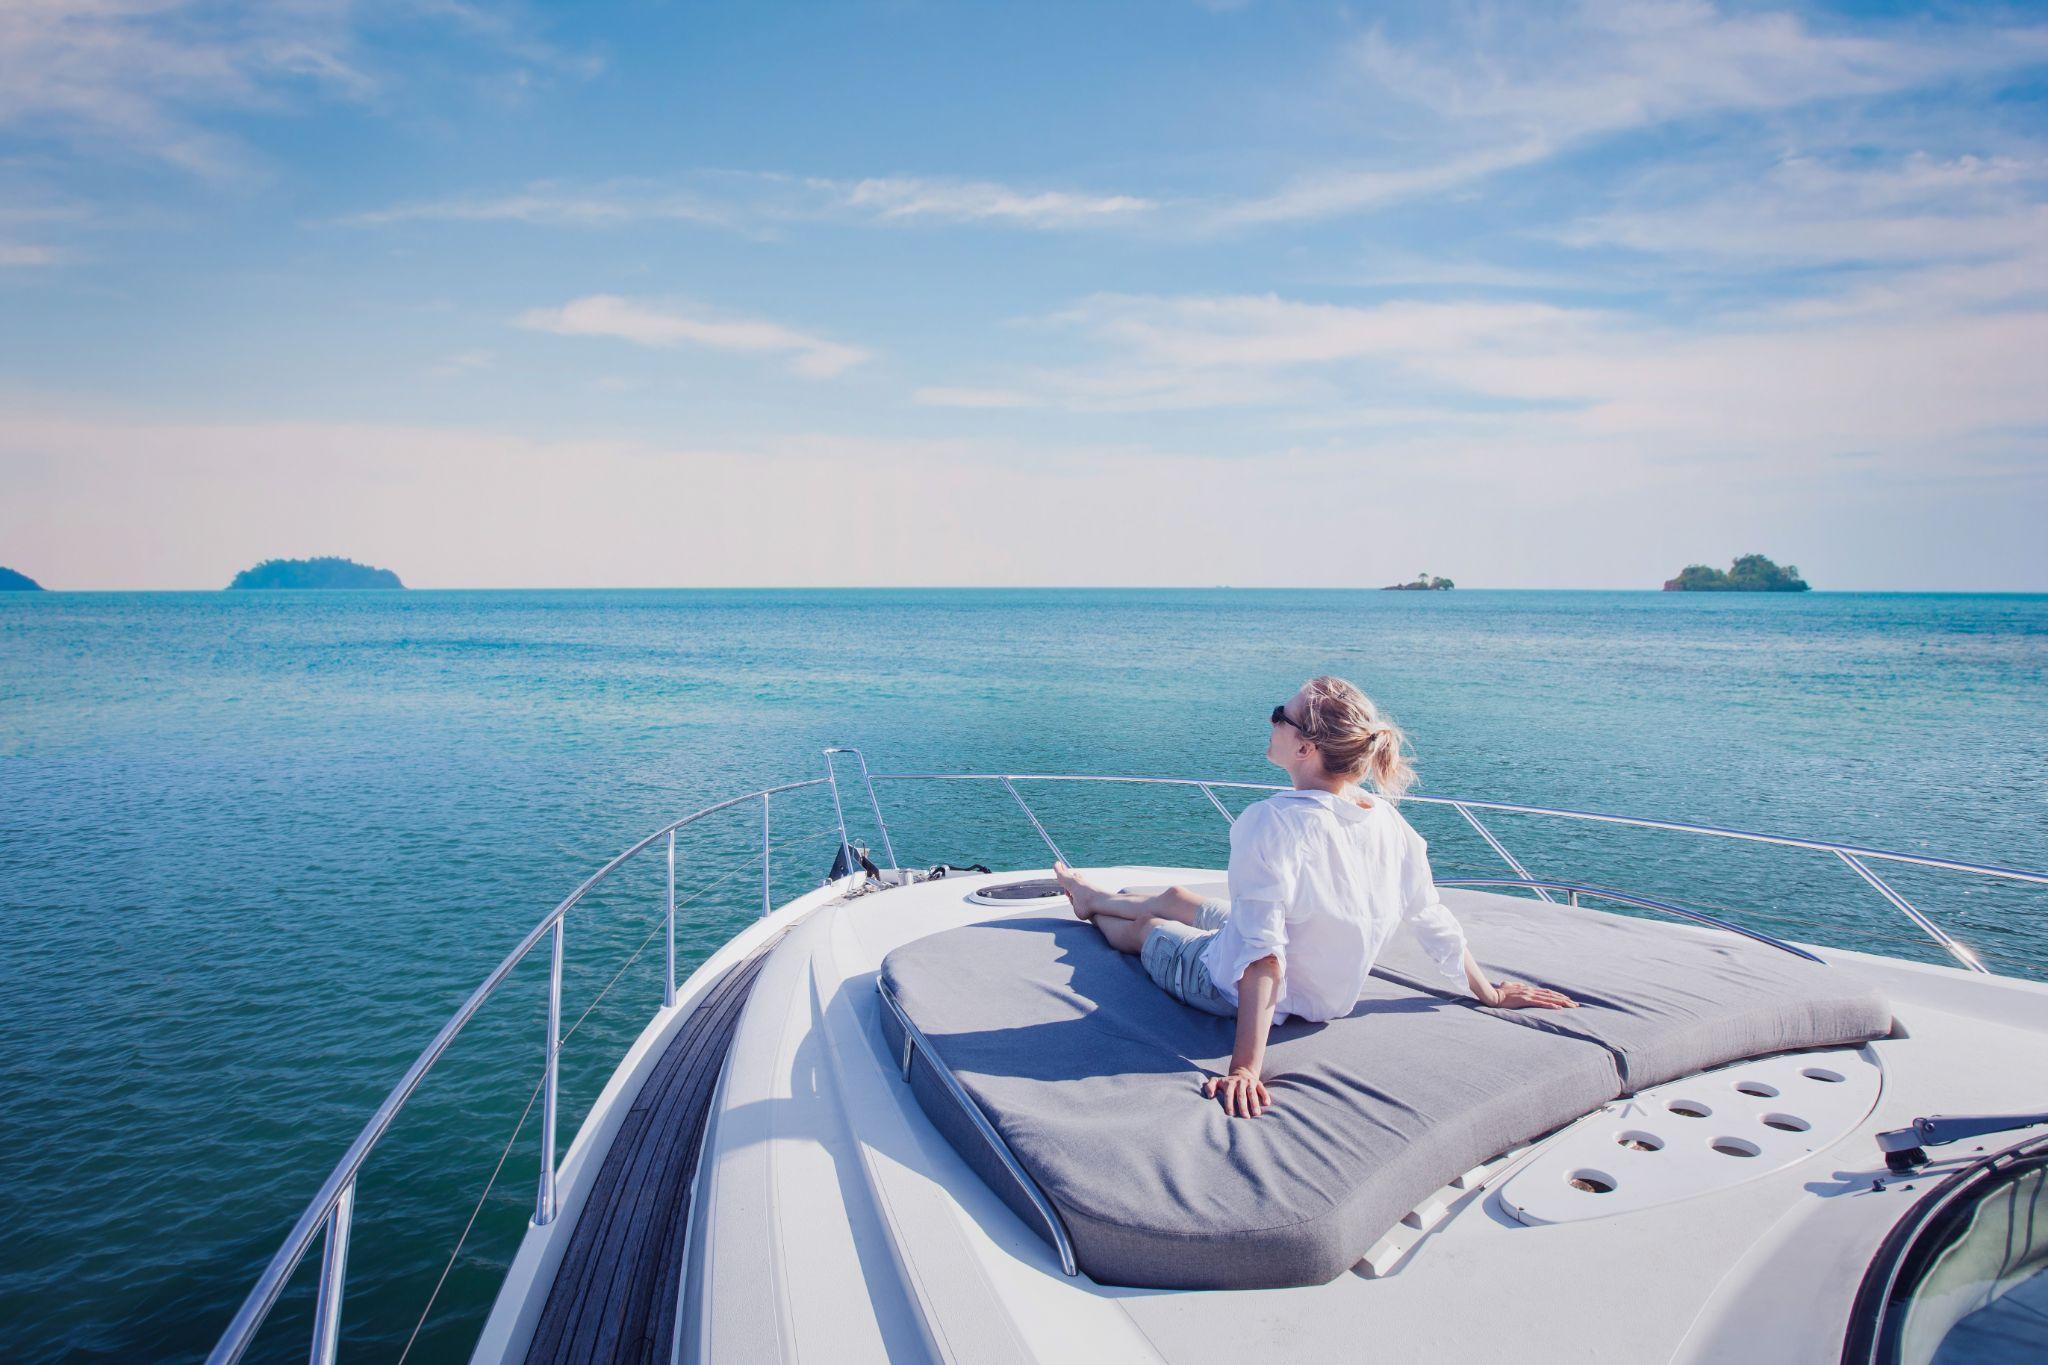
x,y
1320,877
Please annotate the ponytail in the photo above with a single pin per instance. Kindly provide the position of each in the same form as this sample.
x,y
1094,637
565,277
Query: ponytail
x,y
1354,740
1388,765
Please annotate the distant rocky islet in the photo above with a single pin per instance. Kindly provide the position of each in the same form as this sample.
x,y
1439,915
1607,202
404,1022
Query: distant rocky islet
x,y
1750,573
11,581
325,571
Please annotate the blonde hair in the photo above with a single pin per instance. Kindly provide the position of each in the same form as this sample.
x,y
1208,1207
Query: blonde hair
x,y
1353,739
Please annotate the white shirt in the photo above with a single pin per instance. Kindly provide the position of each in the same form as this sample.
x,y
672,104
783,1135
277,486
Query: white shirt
x,y
1322,884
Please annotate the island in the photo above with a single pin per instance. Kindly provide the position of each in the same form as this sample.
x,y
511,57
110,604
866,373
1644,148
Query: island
x,y
1751,573
10,581
1423,583
327,571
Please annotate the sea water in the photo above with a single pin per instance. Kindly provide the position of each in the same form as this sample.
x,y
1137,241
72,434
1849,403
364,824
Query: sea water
x,y
256,847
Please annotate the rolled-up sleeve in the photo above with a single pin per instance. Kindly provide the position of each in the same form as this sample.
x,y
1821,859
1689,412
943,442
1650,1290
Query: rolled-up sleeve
x,y
1264,870
1425,914
1255,930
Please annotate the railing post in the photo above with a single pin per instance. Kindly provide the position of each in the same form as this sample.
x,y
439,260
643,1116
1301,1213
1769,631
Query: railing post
x,y
544,1205
1030,815
1498,847
888,846
874,803
1221,809
767,886
838,810
668,992
333,1274
1913,913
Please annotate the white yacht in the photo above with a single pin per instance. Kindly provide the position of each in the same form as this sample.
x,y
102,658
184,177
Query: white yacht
x,y
926,1114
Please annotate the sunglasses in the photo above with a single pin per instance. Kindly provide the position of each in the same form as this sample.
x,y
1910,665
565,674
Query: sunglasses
x,y
1280,717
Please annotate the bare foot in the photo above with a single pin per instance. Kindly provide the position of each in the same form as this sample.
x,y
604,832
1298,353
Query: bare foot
x,y
1080,894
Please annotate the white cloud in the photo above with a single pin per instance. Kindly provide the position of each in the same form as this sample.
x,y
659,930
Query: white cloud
x,y
1806,210
1917,178
136,74
1515,85
142,77
1606,65
941,397
608,315
502,29
1125,385
1786,386
461,363
1918,235
1332,193
1393,269
1197,352
905,199
547,204
759,200
1738,228
1268,332
1897,392
19,254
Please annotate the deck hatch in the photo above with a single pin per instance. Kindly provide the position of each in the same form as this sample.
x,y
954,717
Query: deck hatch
x,y
1009,893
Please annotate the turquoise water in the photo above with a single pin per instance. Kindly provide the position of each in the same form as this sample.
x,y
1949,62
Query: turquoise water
x,y
255,848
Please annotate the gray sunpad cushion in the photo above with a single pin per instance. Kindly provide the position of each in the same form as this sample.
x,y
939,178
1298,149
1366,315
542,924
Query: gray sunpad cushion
x,y
1668,1000
1093,1077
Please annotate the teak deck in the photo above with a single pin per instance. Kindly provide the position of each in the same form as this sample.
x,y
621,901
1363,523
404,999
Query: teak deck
x,y
614,1295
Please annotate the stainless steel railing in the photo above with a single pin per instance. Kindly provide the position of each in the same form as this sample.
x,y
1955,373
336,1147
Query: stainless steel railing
x,y
1577,889
1856,857
331,1210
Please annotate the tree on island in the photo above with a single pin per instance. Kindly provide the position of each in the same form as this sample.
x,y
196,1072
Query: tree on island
x,y
1751,573
1423,583
327,571
10,581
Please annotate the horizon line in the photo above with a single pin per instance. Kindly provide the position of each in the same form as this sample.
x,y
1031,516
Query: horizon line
x,y
44,588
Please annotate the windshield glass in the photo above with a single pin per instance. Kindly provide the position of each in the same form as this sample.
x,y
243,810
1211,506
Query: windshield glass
x,y
1971,1287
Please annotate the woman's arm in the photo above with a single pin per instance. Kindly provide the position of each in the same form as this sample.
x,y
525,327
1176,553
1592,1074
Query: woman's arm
x,y
1243,1093
1512,995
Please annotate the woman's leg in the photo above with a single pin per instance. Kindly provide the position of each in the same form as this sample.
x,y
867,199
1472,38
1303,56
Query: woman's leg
x,y
1126,935
1090,901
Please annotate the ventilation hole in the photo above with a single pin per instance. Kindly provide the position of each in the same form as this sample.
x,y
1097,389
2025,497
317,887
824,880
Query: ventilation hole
x,y
1638,1141
1691,1109
1727,1146
1757,1088
1037,889
1592,1182
1789,1123
1821,1073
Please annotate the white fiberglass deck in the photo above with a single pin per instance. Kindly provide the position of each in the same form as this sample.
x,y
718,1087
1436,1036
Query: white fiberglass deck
x,y
833,1221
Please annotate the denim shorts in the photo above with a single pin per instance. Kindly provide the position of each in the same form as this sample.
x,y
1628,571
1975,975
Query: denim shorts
x,y
1172,956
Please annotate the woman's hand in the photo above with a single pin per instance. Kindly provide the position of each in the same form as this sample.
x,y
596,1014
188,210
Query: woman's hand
x,y
1512,995
1520,995
1242,1092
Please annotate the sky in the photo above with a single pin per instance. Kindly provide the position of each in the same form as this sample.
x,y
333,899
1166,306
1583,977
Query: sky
x,y
1169,293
